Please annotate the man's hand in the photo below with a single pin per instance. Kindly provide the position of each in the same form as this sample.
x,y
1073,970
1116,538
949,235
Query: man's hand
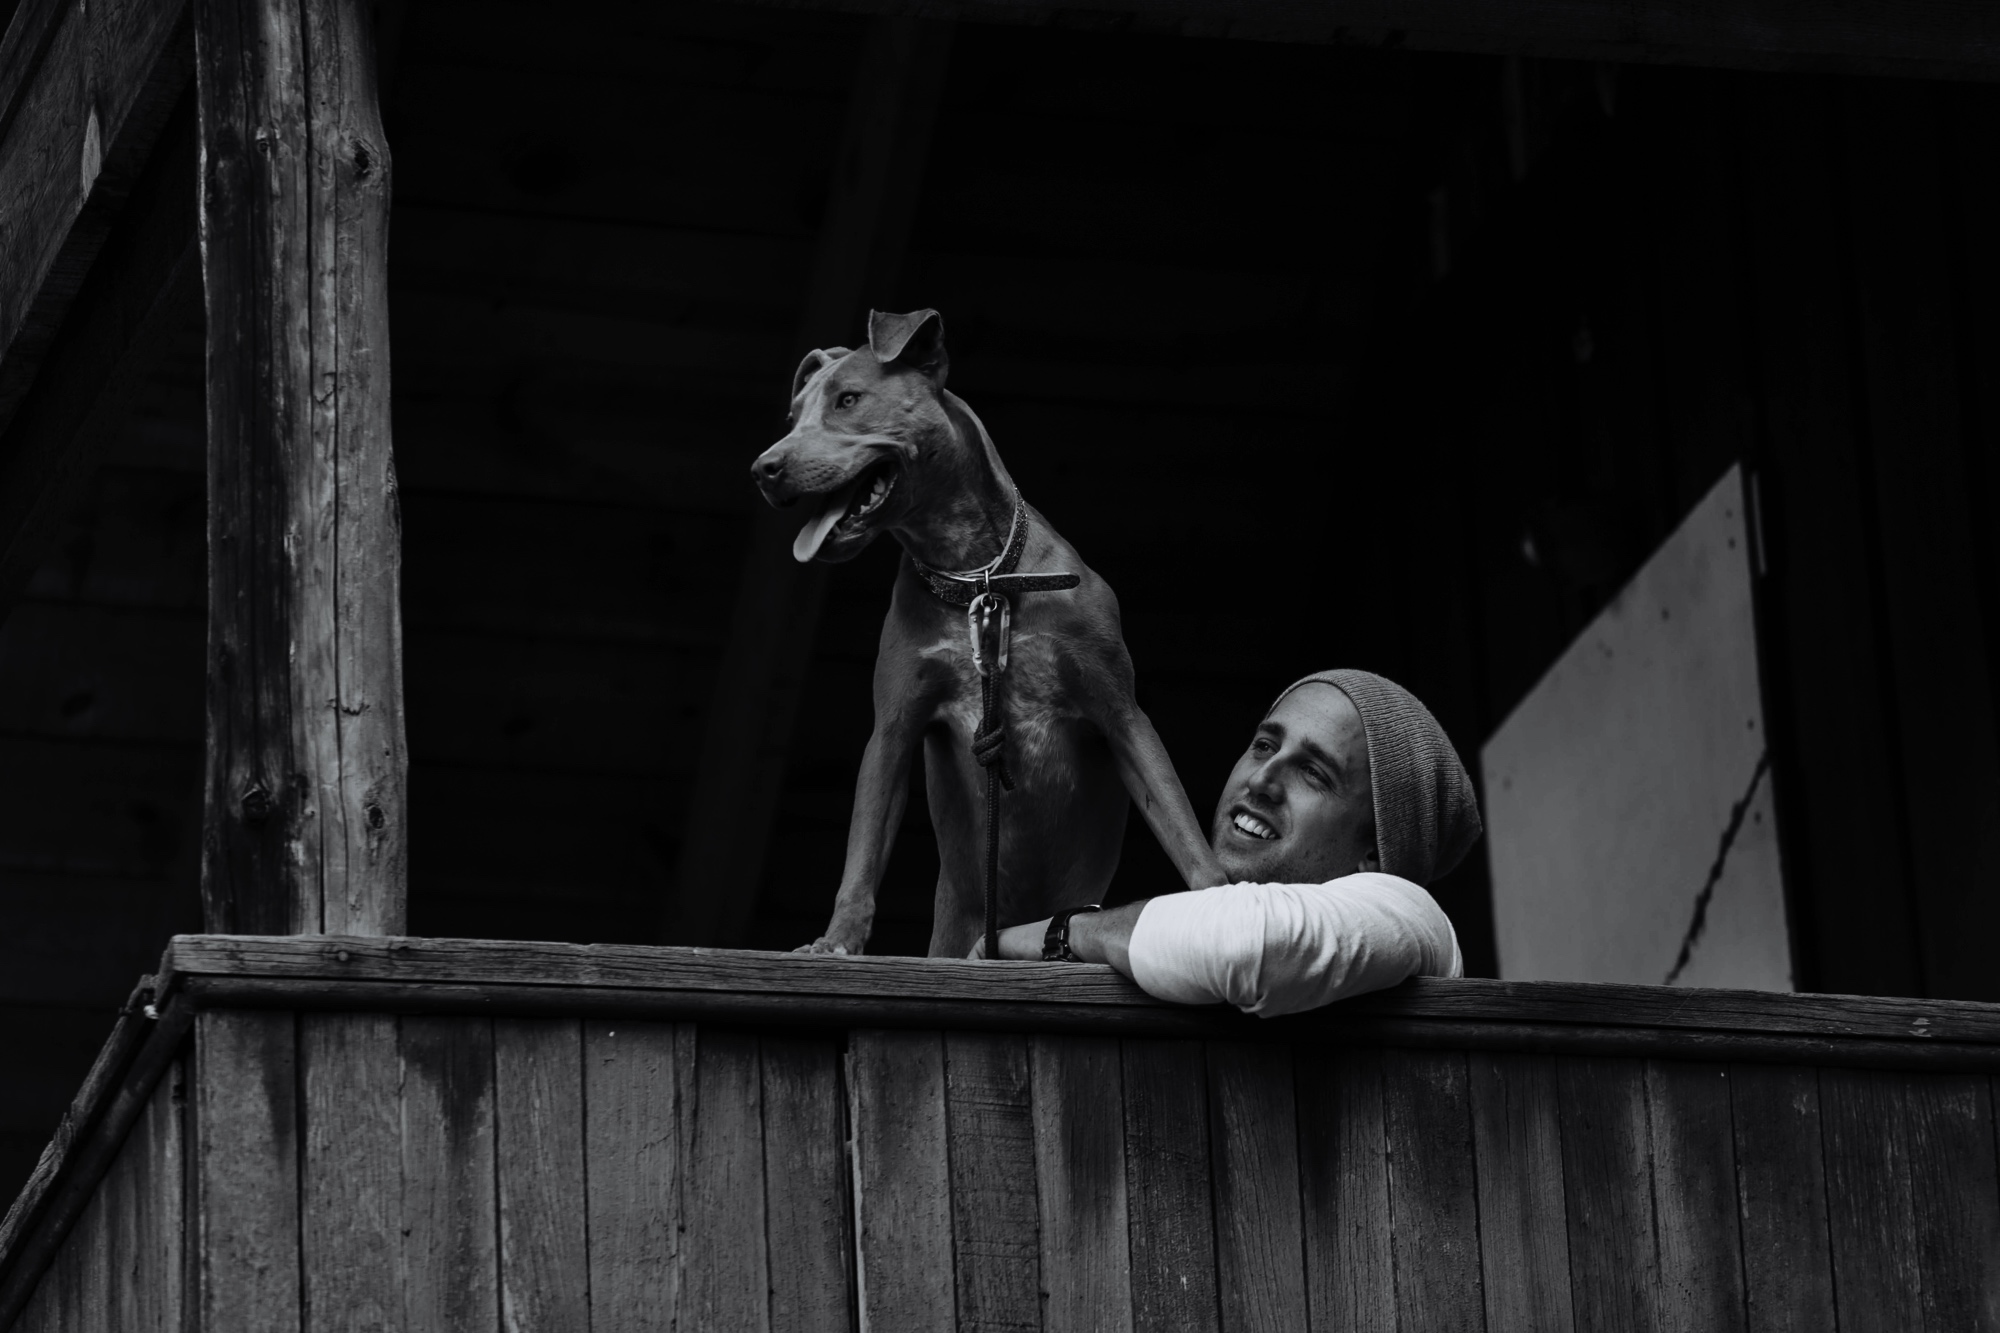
x,y
1023,943
1094,937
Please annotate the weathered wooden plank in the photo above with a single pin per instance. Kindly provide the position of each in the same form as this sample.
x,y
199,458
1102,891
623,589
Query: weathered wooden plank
x,y
146,1248
633,1166
1427,1118
1168,1199
1477,1005
1608,1184
902,1180
807,1206
1079,1125
898,77
995,1223
1955,1200
1694,1197
1523,1230
538,1150
1941,662
1344,1180
88,1266
1864,1120
1254,1138
351,1179
1781,1198
451,1263
246,1171
306,767
726,1277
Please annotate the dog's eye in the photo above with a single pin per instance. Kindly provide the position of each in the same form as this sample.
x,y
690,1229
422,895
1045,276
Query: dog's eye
x,y
848,399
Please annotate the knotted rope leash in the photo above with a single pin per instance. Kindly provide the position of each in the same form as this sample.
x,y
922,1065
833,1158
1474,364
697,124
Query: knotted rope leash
x,y
990,621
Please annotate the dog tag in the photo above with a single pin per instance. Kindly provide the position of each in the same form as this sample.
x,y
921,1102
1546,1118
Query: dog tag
x,y
991,622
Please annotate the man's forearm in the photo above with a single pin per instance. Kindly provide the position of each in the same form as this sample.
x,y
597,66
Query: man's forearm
x,y
1106,937
1094,937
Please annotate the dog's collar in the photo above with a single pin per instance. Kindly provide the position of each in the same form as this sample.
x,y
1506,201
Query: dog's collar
x,y
997,575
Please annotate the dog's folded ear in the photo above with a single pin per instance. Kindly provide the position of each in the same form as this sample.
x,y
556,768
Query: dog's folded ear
x,y
915,340
815,361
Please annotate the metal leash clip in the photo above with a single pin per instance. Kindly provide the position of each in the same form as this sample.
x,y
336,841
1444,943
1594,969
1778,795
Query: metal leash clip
x,y
991,622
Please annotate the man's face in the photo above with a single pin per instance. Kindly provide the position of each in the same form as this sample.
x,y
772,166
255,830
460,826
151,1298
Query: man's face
x,y
1299,807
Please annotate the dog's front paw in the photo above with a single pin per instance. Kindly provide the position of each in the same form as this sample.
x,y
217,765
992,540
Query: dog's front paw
x,y
824,944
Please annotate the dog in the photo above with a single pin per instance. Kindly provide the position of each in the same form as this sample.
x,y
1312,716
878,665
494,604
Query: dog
x,y
877,444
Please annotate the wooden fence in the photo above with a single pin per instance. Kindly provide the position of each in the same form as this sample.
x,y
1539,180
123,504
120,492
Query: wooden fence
x,y
315,1132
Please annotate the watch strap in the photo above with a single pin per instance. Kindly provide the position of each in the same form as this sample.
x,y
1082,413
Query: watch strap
x,y
1055,942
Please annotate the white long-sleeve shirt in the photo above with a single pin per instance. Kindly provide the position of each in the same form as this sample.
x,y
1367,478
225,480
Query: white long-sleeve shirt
x,y
1274,949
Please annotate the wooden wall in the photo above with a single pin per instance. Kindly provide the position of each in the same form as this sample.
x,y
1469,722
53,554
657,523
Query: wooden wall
x,y
1649,274
1286,340
433,1172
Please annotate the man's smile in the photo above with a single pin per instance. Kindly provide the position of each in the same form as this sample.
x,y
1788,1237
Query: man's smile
x,y
1247,823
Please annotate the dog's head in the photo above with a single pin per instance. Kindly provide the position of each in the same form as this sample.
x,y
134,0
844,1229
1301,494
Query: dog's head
x,y
863,422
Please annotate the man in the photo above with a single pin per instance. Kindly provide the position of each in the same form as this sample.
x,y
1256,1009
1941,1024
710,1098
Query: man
x,y
1349,800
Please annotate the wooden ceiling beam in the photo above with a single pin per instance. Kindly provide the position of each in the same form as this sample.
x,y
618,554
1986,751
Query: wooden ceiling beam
x,y
748,732
1945,39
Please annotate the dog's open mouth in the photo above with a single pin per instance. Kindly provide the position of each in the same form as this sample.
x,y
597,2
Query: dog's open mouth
x,y
846,510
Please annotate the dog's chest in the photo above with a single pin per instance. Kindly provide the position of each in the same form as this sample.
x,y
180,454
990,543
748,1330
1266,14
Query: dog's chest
x,y
1045,721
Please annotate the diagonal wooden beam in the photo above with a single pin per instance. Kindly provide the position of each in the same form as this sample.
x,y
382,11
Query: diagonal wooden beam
x,y
85,91
143,291
748,734
304,819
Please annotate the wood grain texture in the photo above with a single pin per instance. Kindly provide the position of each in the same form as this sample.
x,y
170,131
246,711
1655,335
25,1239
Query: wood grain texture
x,y
351,1180
1344,1182
451,1264
1168,1198
725,1282
147,1257
902,1180
995,1219
1694,1197
1608,1185
246,1171
632,1144
1427,1118
1955,1200
1865,1132
1474,1002
1781,1199
808,1207
1079,1124
1523,1227
307,762
538,1152
1254,1143
87,1266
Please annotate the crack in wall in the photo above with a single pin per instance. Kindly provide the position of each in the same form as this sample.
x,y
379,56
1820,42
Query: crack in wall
x,y
1701,900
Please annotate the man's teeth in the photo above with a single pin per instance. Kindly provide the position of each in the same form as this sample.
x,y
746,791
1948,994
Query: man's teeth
x,y
1255,827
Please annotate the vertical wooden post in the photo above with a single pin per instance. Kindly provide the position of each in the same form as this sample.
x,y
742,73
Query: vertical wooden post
x,y
304,825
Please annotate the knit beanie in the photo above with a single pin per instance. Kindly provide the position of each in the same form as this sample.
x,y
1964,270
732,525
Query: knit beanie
x,y
1426,817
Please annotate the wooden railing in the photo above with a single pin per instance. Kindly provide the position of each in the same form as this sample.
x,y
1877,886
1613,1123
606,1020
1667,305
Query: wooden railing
x,y
444,1134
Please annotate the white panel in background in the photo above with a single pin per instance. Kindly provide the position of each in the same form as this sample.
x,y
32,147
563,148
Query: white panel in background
x,y
1629,818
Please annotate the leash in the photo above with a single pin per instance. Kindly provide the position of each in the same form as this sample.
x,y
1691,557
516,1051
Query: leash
x,y
989,620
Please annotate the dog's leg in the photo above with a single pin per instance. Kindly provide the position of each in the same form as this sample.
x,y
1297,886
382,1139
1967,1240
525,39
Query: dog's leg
x,y
1156,789
880,794
1109,698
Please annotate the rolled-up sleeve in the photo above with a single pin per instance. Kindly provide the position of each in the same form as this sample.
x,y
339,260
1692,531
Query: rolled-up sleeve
x,y
1274,949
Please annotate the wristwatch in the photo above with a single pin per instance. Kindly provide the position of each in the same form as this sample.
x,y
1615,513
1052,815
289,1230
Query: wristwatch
x,y
1055,944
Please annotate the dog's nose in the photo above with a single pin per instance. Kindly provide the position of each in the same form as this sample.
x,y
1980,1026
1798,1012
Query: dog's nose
x,y
767,468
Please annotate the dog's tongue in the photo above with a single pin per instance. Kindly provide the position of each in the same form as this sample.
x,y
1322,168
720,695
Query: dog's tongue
x,y
813,535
